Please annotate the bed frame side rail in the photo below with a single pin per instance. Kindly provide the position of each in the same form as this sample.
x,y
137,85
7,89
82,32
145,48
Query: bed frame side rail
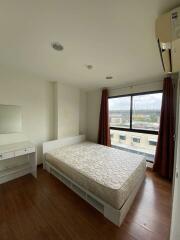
x,y
116,216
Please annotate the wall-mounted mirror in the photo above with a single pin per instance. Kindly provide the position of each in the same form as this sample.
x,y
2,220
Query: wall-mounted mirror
x,y
10,119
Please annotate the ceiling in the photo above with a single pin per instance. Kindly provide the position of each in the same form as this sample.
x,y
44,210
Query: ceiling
x,y
115,36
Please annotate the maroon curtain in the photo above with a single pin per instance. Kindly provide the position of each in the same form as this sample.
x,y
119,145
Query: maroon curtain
x,y
164,157
104,131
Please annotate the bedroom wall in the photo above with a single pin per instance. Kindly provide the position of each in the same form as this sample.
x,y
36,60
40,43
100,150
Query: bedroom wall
x,y
175,230
83,112
35,97
67,110
93,106
42,102
94,99
70,106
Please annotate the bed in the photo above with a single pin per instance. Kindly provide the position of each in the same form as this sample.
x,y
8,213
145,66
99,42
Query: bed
x,y
105,177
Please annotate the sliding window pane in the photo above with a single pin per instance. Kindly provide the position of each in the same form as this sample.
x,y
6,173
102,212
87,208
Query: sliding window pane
x,y
146,111
119,112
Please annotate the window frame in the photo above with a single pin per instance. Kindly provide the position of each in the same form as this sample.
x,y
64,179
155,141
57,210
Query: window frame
x,y
122,139
130,129
138,139
151,142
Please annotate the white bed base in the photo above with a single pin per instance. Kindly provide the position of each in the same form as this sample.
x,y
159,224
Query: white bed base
x,y
116,216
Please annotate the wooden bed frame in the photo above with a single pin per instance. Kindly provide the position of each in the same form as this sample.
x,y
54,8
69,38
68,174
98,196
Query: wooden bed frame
x,y
114,215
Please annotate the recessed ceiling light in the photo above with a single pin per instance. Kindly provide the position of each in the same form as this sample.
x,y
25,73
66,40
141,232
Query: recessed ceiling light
x,y
89,66
109,77
57,46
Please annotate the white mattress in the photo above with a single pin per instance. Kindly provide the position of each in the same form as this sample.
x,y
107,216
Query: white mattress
x,y
108,173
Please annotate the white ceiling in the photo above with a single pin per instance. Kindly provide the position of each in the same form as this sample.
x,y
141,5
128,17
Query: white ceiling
x,y
115,36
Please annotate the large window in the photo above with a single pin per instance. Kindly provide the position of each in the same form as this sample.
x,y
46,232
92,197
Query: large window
x,y
134,121
137,112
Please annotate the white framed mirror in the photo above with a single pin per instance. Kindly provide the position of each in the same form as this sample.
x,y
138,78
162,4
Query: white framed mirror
x,y
10,119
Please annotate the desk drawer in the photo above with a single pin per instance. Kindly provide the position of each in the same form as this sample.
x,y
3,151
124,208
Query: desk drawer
x,y
24,151
6,155
21,152
31,150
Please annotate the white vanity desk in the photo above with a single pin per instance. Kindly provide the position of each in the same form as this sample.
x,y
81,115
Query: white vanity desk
x,y
12,151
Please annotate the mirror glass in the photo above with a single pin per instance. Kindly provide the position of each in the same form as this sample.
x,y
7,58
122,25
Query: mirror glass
x,y
10,119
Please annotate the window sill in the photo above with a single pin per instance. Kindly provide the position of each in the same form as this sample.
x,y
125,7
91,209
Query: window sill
x,y
148,155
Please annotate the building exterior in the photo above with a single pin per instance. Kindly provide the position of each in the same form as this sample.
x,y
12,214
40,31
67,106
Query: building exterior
x,y
140,143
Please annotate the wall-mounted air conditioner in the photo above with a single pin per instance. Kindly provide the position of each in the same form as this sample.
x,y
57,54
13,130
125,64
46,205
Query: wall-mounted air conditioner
x,y
168,37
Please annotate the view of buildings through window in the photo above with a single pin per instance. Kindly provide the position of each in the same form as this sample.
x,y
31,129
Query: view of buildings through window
x,y
146,111
134,122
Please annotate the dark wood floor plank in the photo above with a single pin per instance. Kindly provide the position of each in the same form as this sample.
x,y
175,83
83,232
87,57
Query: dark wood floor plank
x,y
46,209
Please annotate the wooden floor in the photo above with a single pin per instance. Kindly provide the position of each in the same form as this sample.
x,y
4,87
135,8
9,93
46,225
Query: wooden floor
x,y
45,209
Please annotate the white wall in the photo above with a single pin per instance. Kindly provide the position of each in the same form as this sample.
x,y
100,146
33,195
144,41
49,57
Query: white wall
x,y
35,97
49,110
67,110
70,108
175,230
151,86
94,99
93,103
83,113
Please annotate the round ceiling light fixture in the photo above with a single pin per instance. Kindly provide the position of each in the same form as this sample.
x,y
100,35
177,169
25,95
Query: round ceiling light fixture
x,y
88,66
109,77
57,46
